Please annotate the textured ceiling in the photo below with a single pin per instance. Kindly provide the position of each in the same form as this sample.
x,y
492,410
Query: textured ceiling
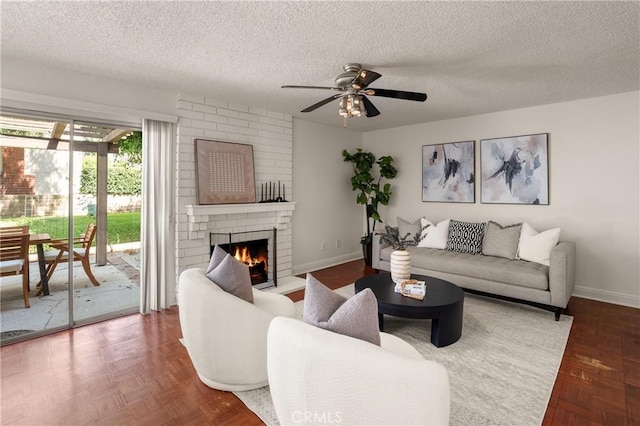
x,y
469,57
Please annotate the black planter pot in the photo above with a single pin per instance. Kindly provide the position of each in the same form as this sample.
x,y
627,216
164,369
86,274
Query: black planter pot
x,y
367,249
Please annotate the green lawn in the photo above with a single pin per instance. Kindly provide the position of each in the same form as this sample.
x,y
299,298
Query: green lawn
x,y
121,227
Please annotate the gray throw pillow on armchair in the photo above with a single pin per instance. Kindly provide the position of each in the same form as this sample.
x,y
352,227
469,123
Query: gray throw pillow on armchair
x,y
233,277
216,257
356,316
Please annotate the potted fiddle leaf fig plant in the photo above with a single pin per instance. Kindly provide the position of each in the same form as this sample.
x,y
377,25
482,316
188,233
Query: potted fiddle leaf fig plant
x,y
367,181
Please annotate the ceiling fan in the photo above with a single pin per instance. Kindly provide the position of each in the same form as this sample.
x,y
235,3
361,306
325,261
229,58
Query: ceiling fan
x,y
353,85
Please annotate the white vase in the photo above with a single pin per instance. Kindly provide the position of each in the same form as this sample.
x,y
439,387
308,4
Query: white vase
x,y
400,265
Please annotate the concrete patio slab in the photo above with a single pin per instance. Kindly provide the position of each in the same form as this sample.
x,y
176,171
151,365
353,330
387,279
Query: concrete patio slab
x,y
119,290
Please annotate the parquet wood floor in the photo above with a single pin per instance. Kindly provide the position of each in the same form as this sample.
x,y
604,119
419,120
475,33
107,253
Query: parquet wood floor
x,y
133,371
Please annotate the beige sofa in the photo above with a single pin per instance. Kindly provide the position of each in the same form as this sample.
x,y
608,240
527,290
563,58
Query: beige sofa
x,y
548,287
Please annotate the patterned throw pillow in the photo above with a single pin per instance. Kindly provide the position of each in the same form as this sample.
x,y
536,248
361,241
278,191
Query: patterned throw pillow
x,y
465,237
356,316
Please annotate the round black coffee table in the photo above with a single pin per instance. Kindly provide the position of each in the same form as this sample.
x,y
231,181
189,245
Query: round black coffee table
x,y
442,303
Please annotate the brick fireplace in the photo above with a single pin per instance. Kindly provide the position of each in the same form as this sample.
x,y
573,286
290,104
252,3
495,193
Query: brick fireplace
x,y
271,135
252,220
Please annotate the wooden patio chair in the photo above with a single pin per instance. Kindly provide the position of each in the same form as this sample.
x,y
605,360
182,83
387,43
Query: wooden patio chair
x,y
17,229
14,229
53,257
14,259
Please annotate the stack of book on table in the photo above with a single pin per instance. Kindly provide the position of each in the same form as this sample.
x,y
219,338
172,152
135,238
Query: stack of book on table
x,y
411,288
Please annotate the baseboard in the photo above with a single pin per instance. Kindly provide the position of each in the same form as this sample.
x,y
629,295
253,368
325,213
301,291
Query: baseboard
x,y
607,296
326,263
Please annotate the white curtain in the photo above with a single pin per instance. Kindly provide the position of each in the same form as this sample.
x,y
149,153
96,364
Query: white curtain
x,y
157,253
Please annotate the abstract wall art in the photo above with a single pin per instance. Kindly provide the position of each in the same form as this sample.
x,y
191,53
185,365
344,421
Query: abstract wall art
x,y
448,172
224,172
515,170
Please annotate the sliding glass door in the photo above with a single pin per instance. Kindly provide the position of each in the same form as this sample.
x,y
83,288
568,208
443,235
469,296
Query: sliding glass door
x,y
75,186
107,198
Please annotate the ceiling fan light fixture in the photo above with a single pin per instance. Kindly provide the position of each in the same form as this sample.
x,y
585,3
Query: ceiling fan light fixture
x,y
351,106
356,105
343,108
353,85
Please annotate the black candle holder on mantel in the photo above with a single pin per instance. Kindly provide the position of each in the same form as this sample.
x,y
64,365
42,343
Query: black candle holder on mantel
x,y
268,193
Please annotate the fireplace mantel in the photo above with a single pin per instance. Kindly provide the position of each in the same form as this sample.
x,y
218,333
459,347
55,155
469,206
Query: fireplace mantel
x,y
200,216
221,209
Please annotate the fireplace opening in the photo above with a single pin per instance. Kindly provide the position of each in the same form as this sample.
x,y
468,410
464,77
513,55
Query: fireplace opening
x,y
256,249
254,254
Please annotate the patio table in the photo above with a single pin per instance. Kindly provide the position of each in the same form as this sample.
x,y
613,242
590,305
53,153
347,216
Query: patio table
x,y
38,240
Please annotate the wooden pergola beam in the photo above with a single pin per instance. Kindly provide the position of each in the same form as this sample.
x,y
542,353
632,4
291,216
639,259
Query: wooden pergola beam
x,y
112,148
82,146
58,129
56,134
115,135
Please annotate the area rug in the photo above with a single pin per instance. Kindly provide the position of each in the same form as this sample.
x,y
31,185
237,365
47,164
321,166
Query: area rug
x,y
501,371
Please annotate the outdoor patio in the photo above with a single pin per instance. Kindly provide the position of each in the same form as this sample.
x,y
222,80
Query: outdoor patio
x,y
119,290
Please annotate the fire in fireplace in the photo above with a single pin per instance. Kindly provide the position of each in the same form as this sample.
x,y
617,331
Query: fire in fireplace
x,y
257,249
254,254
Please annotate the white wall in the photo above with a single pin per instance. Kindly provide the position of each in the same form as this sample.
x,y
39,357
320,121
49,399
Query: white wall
x,y
61,91
326,208
594,182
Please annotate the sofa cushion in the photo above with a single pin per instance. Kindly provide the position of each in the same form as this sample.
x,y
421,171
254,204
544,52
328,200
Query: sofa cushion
x,y
465,237
434,236
507,271
412,228
536,246
233,277
501,241
356,316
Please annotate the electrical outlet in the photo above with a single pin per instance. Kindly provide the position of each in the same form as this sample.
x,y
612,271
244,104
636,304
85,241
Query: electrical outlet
x,y
338,243
323,245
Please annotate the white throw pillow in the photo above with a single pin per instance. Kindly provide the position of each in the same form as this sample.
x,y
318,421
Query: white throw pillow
x,y
536,246
434,236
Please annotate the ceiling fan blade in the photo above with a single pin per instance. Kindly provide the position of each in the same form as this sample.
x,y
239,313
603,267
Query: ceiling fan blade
x,y
364,78
311,87
398,94
321,103
372,111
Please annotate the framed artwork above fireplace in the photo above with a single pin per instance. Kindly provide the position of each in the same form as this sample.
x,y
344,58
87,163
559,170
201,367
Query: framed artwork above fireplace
x,y
224,172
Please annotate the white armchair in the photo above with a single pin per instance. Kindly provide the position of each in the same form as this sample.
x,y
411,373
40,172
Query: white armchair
x,y
226,337
320,377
